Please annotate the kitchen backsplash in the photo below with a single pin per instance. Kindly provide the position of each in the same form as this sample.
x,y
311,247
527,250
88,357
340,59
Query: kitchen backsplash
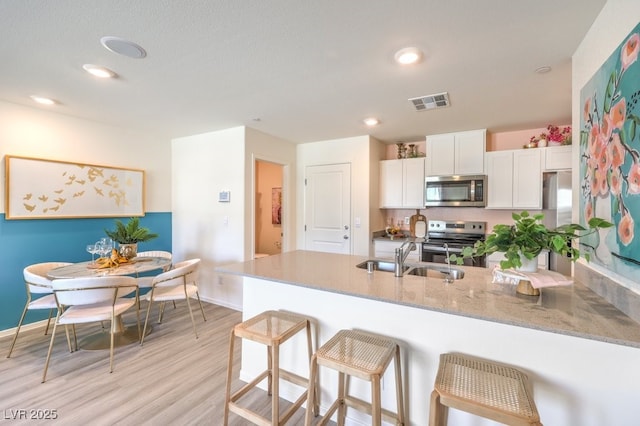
x,y
492,217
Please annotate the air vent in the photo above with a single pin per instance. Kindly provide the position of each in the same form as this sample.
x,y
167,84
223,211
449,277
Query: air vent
x,y
423,103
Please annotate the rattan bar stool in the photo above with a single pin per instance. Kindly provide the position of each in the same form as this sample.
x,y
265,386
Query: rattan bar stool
x,y
270,328
365,356
484,388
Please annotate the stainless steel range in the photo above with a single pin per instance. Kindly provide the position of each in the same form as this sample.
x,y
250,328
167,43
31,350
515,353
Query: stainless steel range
x,y
456,235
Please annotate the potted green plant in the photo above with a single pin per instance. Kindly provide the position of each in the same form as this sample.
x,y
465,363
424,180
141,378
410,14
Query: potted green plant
x,y
527,237
128,236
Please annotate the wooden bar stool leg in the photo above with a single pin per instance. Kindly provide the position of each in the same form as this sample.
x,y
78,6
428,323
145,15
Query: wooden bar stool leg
x,y
376,415
229,375
312,402
437,411
342,407
275,401
399,390
312,398
269,371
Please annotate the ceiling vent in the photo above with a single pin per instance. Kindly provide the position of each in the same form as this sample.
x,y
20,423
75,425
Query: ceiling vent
x,y
423,103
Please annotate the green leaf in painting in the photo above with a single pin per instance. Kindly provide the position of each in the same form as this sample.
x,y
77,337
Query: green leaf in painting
x,y
609,92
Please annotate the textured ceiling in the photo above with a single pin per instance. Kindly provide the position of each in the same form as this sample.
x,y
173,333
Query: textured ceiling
x,y
300,70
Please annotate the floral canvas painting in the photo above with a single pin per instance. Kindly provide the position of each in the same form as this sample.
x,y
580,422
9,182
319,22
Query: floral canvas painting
x,y
610,158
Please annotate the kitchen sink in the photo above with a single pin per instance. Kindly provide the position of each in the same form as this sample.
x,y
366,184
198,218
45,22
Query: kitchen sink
x,y
436,272
380,265
424,270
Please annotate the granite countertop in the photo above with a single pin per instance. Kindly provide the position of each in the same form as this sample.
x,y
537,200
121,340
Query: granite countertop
x,y
383,236
573,310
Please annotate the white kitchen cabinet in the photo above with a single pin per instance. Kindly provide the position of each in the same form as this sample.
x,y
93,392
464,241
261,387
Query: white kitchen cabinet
x,y
557,158
386,249
514,179
402,183
460,153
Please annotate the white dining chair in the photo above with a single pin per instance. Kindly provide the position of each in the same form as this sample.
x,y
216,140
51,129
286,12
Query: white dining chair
x,y
145,282
93,299
38,285
179,283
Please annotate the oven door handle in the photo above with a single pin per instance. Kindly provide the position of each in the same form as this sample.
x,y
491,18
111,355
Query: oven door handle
x,y
438,249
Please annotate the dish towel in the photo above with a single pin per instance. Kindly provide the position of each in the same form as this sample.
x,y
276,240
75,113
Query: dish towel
x,y
540,279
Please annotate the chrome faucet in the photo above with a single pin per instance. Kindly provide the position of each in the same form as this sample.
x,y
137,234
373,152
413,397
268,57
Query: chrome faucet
x,y
401,256
448,278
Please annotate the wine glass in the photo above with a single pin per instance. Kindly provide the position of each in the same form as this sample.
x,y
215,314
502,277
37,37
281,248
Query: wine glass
x,y
108,246
91,248
100,247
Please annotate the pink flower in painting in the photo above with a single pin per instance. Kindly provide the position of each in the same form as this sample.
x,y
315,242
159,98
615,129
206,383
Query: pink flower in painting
x,y
606,128
599,152
595,184
625,229
616,182
618,113
601,178
588,211
633,179
616,151
594,136
630,51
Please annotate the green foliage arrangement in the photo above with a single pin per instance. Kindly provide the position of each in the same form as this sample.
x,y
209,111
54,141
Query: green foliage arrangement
x,y
529,236
131,233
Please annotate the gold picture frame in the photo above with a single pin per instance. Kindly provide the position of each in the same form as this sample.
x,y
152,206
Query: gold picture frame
x,y
49,189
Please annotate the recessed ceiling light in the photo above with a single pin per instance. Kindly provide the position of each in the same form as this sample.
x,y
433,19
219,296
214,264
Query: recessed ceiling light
x,y
99,71
371,121
42,100
543,70
408,56
123,47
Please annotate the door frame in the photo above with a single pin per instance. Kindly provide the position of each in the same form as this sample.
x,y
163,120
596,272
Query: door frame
x,y
286,203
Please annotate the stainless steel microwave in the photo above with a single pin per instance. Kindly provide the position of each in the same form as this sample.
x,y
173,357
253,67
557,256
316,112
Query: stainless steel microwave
x,y
455,191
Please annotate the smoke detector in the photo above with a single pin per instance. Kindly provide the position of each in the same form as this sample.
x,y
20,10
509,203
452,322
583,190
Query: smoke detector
x,y
423,103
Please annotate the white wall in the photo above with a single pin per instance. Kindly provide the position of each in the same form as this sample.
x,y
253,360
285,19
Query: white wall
x,y
220,233
363,153
613,24
204,165
32,132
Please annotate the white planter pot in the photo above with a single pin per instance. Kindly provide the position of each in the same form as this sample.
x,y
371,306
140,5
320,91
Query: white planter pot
x,y
528,265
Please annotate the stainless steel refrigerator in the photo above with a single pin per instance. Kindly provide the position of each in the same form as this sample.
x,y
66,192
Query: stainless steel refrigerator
x,y
556,201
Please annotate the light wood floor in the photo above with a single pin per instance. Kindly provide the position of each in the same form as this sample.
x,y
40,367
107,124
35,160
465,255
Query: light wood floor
x,y
172,379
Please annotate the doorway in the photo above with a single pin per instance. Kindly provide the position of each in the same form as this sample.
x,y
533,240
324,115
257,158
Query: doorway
x,y
268,208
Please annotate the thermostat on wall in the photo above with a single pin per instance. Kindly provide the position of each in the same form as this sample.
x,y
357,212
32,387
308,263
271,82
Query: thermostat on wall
x,y
224,196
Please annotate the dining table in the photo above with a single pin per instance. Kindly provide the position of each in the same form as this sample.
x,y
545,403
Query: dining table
x,y
123,334
134,267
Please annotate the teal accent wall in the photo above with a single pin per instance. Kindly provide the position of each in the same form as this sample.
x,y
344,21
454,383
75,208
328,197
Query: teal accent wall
x,y
24,242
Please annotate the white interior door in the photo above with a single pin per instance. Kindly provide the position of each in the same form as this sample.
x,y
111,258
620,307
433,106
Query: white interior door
x,y
328,208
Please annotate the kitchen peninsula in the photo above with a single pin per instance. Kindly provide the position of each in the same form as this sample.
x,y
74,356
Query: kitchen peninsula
x,y
580,352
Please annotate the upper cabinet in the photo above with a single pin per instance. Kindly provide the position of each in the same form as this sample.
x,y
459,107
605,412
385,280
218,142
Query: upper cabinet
x,y
514,179
402,183
557,157
460,153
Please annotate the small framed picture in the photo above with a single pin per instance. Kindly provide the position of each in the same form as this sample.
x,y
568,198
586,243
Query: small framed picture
x,y
224,196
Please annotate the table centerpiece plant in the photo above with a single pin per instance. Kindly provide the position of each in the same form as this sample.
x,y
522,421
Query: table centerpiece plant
x,y
129,235
527,237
